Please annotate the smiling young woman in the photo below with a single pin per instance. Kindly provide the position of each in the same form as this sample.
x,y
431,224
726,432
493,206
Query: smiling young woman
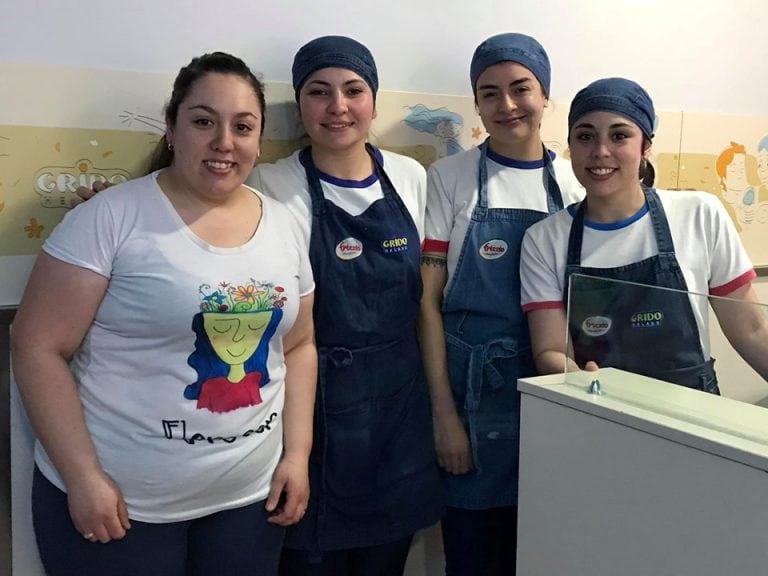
x,y
607,152
336,107
511,102
479,205
625,231
170,376
373,471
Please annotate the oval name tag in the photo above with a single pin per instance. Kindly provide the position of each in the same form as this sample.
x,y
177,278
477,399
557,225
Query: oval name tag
x,y
493,249
596,325
349,248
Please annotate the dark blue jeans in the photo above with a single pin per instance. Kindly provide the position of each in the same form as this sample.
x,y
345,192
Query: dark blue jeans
x,y
480,542
383,560
238,542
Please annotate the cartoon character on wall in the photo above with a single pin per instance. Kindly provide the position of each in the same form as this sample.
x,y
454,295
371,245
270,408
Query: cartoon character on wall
x,y
233,330
443,124
731,167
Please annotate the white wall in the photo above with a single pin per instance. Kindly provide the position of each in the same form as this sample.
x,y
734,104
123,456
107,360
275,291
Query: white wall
x,y
694,55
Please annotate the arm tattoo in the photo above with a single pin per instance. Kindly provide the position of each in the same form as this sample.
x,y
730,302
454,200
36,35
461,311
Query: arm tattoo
x,y
433,261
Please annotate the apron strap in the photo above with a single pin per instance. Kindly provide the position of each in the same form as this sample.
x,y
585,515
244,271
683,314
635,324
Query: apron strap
x,y
313,181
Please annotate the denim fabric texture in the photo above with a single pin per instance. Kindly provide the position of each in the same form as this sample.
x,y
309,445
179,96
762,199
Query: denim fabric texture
x,y
334,52
511,47
618,95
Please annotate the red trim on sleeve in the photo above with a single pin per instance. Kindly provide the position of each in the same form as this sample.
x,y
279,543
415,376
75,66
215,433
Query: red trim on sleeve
x,y
734,284
550,305
438,246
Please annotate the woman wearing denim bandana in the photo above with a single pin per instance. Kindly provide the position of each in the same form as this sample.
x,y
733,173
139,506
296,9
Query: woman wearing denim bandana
x,y
474,334
625,231
373,473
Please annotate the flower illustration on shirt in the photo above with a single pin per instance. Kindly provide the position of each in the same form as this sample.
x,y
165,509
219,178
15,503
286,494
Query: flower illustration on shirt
x,y
245,293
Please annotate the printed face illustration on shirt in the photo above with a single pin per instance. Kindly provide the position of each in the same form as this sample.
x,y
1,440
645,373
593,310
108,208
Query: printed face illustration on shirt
x,y
233,331
235,337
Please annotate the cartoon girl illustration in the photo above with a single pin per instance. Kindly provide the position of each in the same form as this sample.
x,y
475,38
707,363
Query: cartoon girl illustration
x,y
233,329
441,123
731,166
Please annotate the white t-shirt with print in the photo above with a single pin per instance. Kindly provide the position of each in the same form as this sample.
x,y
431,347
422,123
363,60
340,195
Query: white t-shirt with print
x,y
707,247
171,459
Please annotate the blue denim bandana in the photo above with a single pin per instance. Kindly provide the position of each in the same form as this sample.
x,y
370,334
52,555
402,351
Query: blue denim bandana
x,y
511,47
617,95
334,52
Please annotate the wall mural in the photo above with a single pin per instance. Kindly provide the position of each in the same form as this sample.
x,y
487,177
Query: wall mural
x,y
66,127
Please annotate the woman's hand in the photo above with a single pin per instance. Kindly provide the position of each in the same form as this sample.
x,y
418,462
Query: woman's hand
x,y
83,193
289,492
454,451
97,508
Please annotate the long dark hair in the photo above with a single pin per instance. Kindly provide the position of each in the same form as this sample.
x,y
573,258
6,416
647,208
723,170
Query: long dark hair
x,y
215,62
647,173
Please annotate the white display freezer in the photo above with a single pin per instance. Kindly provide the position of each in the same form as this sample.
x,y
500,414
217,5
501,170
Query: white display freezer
x,y
645,479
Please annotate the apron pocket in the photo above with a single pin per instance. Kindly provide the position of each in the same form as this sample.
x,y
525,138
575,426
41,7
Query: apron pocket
x,y
352,453
496,438
365,405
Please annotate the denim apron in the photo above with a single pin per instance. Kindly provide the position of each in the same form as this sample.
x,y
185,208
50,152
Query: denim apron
x,y
642,330
487,343
373,471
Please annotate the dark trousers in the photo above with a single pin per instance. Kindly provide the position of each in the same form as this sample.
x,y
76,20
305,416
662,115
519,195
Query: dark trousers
x,y
238,542
480,542
383,560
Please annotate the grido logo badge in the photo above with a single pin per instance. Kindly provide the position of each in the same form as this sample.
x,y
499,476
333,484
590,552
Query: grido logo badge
x,y
647,319
493,249
395,245
349,248
596,326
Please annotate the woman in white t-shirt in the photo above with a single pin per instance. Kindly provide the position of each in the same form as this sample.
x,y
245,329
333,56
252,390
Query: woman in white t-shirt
x,y
164,352
624,231
373,471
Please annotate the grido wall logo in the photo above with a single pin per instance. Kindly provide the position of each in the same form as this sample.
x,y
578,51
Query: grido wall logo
x,y
349,248
55,184
596,325
493,249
